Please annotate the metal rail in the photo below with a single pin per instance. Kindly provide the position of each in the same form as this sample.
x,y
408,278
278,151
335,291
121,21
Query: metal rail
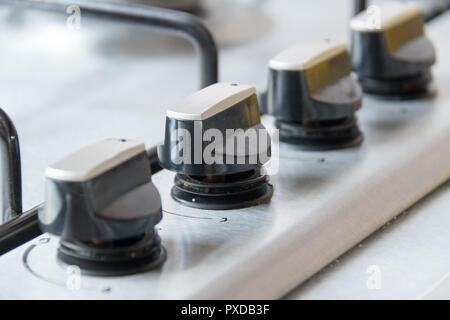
x,y
180,23
11,195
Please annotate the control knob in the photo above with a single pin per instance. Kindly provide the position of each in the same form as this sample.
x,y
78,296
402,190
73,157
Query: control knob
x,y
101,202
215,142
390,52
313,96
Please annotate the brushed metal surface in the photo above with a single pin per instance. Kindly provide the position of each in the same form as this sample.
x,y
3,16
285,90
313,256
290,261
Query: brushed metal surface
x,y
439,290
409,254
324,202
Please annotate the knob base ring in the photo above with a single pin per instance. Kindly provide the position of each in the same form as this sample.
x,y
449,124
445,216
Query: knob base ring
x,y
404,88
138,256
225,192
321,135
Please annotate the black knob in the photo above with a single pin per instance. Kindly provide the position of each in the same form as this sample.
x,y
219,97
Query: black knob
x,y
390,52
313,96
216,143
101,202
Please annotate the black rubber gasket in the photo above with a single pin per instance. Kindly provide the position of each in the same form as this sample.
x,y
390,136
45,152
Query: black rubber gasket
x,y
398,89
234,191
114,260
323,135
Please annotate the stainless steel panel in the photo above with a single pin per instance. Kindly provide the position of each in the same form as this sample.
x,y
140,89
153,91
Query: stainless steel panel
x,y
110,83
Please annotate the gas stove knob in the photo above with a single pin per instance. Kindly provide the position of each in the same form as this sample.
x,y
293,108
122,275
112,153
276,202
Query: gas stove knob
x,y
313,96
202,132
101,202
390,52
216,143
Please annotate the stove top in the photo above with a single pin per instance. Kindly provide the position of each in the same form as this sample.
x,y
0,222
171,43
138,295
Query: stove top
x,y
65,89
